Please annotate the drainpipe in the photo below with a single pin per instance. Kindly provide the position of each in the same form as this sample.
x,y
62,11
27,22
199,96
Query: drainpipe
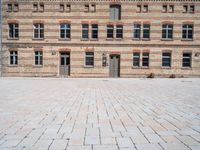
x,y
1,36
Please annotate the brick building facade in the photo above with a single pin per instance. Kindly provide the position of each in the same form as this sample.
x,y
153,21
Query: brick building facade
x,y
101,38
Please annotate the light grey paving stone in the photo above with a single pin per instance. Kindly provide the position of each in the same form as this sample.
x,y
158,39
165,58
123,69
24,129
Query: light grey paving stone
x,y
195,147
127,148
91,140
59,145
187,140
79,147
124,142
170,139
105,147
148,147
139,139
174,146
154,138
108,141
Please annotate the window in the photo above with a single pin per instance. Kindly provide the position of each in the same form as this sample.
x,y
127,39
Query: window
x,y
136,32
146,31
41,7
186,62
85,31
12,7
171,8
185,8
9,7
13,58
164,10
188,8
89,58
38,58
119,31
187,31
16,7
68,8
95,31
65,31
62,7
110,31
167,31
93,8
115,12
139,8
142,8
145,8
13,30
86,8
38,30
145,59
166,59
191,8
136,59
35,7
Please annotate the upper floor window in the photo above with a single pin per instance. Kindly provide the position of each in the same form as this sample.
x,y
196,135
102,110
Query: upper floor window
x,y
110,31
13,7
115,12
186,61
13,30
146,31
87,8
166,59
93,8
167,31
85,31
188,8
168,8
89,58
66,8
187,31
38,30
94,31
137,29
142,8
38,7
145,59
38,58
13,58
65,31
119,31
136,59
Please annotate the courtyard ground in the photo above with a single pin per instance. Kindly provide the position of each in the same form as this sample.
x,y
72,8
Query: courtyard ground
x,y
99,114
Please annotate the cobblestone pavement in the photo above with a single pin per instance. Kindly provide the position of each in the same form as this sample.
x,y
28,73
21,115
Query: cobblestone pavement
x,y
99,114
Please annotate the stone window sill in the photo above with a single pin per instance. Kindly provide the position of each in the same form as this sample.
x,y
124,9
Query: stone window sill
x,y
12,38
64,39
166,39
187,40
89,67
40,39
186,68
12,65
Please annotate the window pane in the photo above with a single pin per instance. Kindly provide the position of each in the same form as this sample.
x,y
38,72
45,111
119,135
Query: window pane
x,y
110,31
89,60
136,59
119,31
145,59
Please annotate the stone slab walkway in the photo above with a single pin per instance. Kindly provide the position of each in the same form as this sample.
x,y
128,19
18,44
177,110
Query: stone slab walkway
x,y
99,114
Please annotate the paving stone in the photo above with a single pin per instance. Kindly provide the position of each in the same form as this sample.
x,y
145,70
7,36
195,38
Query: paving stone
x,y
148,147
58,145
124,142
105,147
174,146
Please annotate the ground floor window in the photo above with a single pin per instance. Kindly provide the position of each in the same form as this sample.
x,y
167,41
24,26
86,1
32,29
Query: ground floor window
x,y
186,62
145,59
13,58
136,59
166,59
38,58
89,58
